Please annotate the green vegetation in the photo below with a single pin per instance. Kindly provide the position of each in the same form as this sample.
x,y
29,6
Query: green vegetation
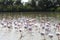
x,y
43,5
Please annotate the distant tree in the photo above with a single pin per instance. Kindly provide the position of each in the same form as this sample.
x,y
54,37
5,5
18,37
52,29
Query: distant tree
x,y
42,4
48,4
18,2
2,2
33,4
58,2
8,2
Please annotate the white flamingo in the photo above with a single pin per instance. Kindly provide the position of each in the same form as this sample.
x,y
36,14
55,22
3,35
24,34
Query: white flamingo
x,y
50,35
58,34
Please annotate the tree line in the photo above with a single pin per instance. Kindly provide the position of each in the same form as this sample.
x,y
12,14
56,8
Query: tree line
x,y
17,6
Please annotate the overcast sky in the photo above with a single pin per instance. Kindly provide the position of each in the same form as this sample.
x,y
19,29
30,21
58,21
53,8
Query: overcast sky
x,y
24,0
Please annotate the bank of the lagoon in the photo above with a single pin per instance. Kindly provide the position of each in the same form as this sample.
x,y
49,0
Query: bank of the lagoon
x,y
31,14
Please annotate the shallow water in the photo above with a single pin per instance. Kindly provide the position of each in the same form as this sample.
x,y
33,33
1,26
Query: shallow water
x,y
10,34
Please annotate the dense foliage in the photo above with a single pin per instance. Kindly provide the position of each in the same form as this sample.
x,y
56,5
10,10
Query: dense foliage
x,y
43,5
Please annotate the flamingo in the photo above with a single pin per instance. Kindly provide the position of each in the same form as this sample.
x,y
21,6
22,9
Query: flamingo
x,y
58,34
43,34
50,35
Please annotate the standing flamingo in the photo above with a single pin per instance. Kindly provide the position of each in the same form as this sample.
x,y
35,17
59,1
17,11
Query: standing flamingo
x,y
58,34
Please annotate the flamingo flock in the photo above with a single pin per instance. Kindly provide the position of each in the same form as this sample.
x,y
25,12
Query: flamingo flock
x,y
24,28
